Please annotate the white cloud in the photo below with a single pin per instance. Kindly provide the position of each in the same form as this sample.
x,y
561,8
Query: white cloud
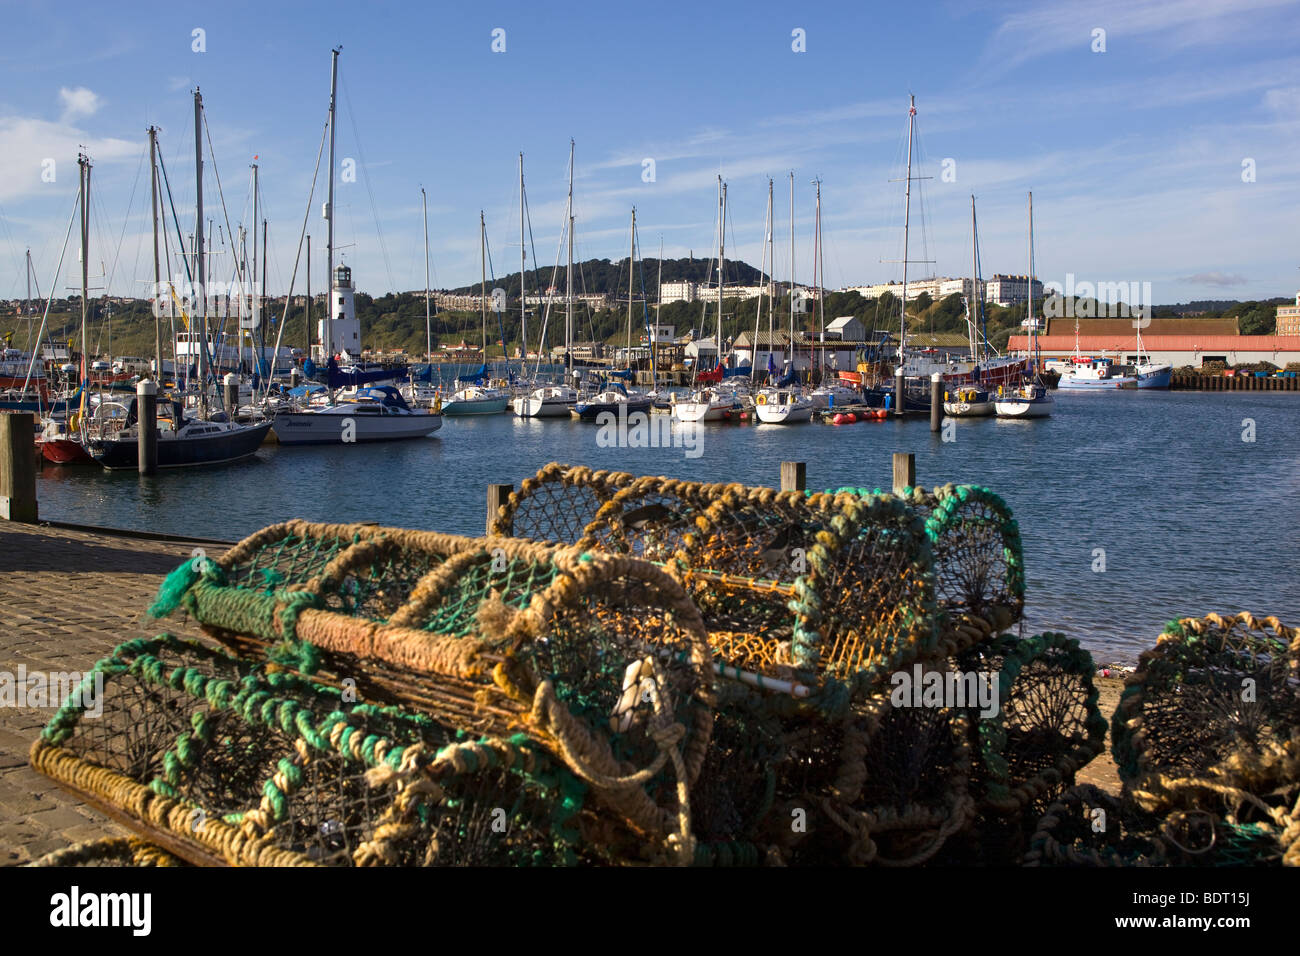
x,y
78,102
32,147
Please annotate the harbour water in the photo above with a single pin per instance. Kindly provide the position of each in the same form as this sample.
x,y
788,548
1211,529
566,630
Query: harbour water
x,y
1134,507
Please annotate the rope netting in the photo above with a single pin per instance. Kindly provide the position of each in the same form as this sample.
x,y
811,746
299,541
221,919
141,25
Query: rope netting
x,y
1089,827
1215,705
603,658
250,765
110,851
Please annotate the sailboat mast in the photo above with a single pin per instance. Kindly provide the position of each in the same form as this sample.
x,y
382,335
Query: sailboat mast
x,y
654,338
792,270
762,273
568,293
84,162
200,261
327,340
907,221
817,275
722,265
1029,313
482,255
568,318
523,264
257,305
974,283
771,256
631,258
157,270
428,319
306,312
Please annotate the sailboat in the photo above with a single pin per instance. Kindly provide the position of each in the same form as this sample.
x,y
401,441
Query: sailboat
x,y
183,440
1029,399
614,397
712,404
478,398
970,401
422,392
374,413
555,401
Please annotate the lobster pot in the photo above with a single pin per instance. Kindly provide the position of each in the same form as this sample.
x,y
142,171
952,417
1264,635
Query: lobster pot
x,y
1213,714
558,503
977,553
602,658
110,851
222,761
1088,827
836,590
1037,722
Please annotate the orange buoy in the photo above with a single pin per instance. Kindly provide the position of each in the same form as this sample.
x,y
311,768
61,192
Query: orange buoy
x,y
850,418
838,419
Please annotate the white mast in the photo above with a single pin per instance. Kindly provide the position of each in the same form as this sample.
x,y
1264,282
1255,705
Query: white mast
x,y
771,255
907,213
631,258
84,162
327,340
523,264
722,264
257,305
568,294
974,285
157,272
1029,314
818,278
198,255
792,270
428,322
482,250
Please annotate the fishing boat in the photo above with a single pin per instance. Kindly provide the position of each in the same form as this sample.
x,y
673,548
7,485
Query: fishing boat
x,y
1093,374
968,402
1150,374
783,406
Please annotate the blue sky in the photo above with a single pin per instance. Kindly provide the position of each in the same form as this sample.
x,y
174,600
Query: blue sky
x,y
1134,155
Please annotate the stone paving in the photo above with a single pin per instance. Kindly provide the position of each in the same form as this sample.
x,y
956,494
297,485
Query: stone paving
x,y
66,599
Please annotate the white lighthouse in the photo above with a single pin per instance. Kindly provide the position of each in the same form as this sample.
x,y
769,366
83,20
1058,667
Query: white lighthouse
x,y
345,330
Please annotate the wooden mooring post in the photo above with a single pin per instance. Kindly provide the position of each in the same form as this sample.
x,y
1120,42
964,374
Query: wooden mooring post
x,y
794,476
497,496
904,471
18,467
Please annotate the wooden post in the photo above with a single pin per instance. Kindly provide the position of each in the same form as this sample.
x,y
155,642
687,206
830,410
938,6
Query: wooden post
x,y
18,467
794,476
146,412
904,471
936,400
497,496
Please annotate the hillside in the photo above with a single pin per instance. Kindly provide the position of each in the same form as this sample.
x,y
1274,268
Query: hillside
x,y
396,321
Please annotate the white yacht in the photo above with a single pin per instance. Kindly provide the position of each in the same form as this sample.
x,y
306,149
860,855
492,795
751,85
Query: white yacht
x,y
476,400
548,401
378,413
706,405
783,406
1027,401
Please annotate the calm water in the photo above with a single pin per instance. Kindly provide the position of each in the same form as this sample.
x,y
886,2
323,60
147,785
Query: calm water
x,y
1191,517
